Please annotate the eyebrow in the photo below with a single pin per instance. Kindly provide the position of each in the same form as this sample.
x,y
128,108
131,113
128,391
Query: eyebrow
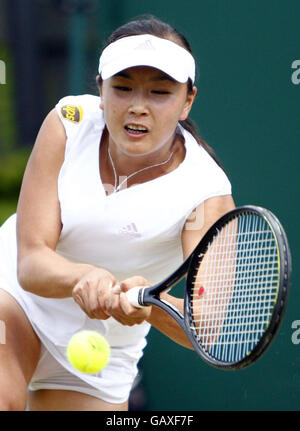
x,y
162,77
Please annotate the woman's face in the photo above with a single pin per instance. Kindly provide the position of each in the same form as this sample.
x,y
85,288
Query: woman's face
x,y
142,107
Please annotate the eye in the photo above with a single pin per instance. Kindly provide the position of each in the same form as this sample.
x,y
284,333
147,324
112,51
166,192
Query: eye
x,y
160,92
122,88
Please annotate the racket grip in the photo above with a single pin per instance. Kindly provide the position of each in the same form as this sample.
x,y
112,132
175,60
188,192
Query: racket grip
x,y
132,295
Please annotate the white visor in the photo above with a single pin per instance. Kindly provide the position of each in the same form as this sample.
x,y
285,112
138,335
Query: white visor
x,y
147,50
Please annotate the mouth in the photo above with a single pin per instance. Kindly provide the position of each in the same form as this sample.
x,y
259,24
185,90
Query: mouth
x,y
136,129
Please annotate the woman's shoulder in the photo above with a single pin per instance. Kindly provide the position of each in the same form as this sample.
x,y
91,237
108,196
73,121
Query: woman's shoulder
x,y
202,169
76,108
198,157
80,111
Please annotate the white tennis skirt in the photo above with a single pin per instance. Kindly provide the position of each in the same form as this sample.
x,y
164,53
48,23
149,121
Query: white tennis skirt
x,y
56,320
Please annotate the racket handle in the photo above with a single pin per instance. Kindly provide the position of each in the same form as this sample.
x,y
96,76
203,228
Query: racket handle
x,y
133,295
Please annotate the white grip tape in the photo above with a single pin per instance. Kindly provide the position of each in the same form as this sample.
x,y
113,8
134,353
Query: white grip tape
x,y
132,295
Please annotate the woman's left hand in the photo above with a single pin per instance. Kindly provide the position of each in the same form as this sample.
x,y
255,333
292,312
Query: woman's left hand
x,y
120,308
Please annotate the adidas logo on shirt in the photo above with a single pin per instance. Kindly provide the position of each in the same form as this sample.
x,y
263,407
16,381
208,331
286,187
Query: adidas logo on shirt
x,y
130,230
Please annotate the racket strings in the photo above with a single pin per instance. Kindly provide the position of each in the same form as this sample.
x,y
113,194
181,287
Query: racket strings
x,y
239,277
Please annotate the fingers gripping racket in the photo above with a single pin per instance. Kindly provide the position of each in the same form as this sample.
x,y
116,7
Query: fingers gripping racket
x,y
236,288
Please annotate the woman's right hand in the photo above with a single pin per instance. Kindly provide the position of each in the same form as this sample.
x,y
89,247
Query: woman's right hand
x,y
93,291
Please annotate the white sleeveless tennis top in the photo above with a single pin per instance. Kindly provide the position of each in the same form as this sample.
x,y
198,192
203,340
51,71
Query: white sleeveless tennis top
x,y
136,231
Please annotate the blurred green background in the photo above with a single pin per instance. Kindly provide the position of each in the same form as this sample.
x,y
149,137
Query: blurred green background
x,y
247,109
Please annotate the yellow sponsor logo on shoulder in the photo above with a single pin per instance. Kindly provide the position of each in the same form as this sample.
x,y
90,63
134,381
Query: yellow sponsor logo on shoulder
x,y
72,113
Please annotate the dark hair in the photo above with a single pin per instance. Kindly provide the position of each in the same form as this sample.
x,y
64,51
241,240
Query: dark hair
x,y
152,25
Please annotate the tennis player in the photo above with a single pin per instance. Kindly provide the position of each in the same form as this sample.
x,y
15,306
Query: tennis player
x,y
107,198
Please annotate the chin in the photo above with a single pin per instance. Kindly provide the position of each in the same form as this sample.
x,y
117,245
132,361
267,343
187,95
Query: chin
x,y
136,149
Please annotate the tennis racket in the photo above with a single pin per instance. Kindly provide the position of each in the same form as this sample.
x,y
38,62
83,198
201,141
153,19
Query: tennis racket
x,y
237,283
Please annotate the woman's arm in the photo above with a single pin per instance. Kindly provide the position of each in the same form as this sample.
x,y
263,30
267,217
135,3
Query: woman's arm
x,y
41,270
196,226
201,219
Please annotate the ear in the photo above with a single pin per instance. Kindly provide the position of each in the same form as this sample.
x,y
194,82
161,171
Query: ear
x,y
99,85
101,103
188,104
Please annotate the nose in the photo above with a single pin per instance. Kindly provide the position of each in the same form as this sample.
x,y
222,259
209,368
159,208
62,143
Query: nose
x,y
139,105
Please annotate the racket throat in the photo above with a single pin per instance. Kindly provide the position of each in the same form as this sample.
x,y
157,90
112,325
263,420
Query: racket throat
x,y
173,308
168,308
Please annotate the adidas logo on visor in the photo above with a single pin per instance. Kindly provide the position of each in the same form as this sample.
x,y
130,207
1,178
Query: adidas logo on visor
x,y
147,45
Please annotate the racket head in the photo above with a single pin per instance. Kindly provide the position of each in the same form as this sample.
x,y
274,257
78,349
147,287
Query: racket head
x,y
257,280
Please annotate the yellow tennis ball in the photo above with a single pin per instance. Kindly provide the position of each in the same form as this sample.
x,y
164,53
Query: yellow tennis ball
x,y
88,351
